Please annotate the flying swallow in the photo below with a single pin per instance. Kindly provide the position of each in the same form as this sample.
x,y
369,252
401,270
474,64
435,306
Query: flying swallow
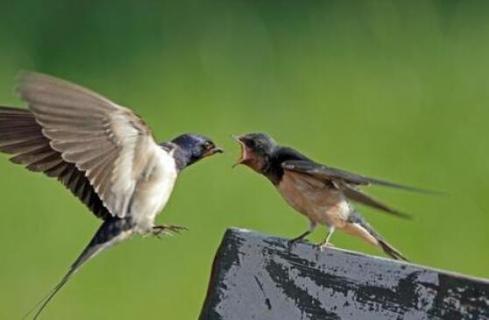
x,y
322,193
103,153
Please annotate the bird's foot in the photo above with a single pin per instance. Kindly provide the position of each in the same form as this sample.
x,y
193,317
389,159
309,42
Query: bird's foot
x,y
167,229
291,243
324,246
295,241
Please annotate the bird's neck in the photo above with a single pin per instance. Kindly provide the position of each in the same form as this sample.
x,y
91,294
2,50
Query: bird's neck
x,y
183,157
273,171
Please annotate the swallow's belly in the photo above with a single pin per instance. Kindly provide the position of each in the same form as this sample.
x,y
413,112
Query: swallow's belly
x,y
319,202
153,192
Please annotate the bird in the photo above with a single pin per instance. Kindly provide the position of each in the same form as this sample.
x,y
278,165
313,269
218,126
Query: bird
x,y
103,153
322,193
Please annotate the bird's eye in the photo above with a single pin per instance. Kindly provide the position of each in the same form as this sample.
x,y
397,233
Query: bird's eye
x,y
207,145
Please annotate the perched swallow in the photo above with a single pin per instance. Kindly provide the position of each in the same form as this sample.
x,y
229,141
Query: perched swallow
x,y
319,192
103,153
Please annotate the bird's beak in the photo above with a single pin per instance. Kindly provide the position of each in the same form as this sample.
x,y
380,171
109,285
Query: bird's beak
x,y
242,157
213,151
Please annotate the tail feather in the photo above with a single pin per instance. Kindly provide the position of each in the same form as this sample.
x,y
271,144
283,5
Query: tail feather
x,y
110,232
391,251
388,249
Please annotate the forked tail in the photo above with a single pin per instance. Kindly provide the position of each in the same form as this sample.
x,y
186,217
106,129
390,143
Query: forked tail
x,y
390,250
386,247
110,232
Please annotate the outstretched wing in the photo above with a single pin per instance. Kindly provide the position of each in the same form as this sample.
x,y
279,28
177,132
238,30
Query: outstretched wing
x,y
105,141
346,182
21,136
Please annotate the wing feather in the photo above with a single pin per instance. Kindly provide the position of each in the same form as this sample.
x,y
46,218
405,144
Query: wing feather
x,y
346,182
328,173
32,149
360,197
98,136
22,146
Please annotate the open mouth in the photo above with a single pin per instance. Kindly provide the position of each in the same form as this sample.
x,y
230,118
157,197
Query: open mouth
x,y
244,156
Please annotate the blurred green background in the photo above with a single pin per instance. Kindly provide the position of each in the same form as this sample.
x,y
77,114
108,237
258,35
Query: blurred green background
x,y
396,90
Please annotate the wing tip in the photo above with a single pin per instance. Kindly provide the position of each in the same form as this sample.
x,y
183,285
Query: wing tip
x,y
22,78
26,79
424,191
384,183
25,74
403,215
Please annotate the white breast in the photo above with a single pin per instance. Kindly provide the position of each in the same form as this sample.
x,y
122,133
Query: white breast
x,y
153,189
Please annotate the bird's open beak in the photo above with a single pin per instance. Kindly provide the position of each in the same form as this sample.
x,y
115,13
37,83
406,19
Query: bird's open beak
x,y
243,156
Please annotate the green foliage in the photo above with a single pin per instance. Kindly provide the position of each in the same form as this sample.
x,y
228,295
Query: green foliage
x,y
395,90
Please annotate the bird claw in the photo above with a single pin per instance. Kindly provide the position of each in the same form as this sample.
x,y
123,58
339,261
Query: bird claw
x,y
295,241
167,229
291,243
324,246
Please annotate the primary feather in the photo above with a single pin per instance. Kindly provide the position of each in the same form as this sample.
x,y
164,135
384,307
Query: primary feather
x,y
96,135
321,171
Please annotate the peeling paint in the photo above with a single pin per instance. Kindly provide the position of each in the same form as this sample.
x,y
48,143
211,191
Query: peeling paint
x,y
258,277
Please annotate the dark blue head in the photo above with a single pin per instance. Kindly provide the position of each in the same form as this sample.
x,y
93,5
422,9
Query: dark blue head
x,y
256,150
193,147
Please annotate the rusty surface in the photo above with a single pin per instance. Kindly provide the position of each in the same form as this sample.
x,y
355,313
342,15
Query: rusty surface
x,y
260,277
